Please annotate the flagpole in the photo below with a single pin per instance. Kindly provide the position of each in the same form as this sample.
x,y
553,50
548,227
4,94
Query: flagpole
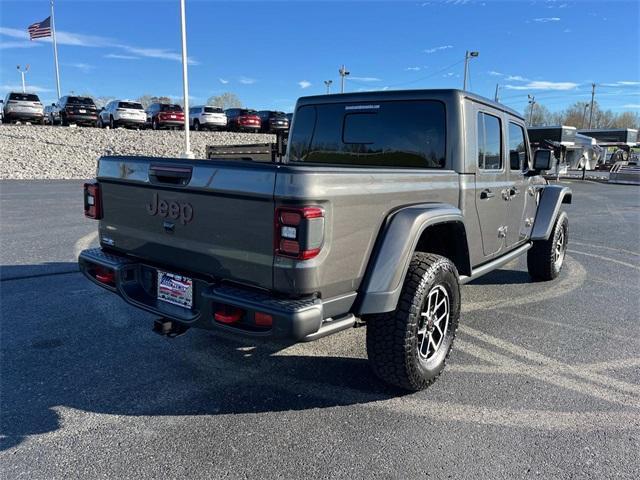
x,y
55,50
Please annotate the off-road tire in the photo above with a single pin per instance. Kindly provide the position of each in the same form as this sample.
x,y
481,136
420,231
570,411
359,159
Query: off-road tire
x,y
392,338
541,258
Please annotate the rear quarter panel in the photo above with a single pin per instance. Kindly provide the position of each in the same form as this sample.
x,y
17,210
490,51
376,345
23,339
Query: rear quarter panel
x,y
357,203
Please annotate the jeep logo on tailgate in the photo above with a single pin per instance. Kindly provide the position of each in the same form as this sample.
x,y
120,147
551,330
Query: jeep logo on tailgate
x,y
171,209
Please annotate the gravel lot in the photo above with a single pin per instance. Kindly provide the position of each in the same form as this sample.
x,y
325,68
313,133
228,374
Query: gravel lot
x,y
43,152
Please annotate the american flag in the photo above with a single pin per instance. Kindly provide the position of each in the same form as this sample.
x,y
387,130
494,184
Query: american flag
x,y
40,29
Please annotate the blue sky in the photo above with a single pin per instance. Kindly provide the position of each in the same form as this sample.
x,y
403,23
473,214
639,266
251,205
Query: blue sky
x,y
271,52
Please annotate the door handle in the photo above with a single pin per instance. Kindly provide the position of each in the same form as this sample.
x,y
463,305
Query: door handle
x,y
485,194
513,191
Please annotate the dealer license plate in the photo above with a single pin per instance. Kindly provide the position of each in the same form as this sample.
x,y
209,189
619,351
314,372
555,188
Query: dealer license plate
x,y
82,110
173,116
175,289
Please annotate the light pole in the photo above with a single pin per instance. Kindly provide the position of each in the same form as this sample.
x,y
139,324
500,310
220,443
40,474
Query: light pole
x,y
328,84
467,56
185,84
532,102
343,73
22,73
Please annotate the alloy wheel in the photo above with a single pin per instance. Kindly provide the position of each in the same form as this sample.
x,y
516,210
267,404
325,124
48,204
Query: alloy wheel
x,y
434,322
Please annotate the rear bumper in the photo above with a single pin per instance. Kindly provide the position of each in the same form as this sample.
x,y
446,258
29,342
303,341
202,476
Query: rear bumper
x,y
135,282
130,121
170,123
81,118
17,115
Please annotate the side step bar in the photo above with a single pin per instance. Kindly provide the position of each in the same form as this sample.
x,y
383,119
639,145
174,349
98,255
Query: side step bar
x,y
493,264
330,327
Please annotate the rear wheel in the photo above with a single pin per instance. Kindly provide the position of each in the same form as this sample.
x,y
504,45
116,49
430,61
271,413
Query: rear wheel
x,y
196,125
409,346
112,123
546,257
154,124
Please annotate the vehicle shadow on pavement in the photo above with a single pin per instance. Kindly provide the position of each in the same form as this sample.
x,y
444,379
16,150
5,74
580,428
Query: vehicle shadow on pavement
x,y
67,344
504,277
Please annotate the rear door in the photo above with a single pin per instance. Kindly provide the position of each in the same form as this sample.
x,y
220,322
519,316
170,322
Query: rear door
x,y
491,181
521,209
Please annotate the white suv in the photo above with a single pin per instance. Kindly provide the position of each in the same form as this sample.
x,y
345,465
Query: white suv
x,y
24,107
207,117
122,112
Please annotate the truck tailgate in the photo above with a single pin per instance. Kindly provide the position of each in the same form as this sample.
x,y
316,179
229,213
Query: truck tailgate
x,y
209,217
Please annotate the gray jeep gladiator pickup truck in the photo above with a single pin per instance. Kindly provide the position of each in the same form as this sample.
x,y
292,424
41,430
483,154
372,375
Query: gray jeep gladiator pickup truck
x,y
383,205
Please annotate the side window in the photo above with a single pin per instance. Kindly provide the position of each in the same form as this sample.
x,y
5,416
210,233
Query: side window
x,y
489,142
517,148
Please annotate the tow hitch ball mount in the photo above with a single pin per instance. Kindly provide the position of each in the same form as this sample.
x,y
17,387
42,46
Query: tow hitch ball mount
x,y
169,328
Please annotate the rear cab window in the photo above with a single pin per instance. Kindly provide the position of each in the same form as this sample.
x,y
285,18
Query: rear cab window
x,y
401,134
212,110
489,142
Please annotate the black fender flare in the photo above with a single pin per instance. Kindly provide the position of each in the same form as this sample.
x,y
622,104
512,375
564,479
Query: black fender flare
x,y
388,266
551,199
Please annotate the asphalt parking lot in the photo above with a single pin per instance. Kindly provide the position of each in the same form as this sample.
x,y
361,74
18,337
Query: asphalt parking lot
x,y
544,379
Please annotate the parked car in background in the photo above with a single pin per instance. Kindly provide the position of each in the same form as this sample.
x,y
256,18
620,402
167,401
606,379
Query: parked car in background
x,y
25,107
207,117
49,118
242,119
273,121
289,117
165,115
1,111
122,113
76,110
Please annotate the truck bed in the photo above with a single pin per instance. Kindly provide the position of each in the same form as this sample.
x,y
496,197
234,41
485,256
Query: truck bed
x,y
230,236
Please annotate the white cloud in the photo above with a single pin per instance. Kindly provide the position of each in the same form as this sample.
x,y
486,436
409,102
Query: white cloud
x,y
18,88
19,44
412,69
436,49
304,84
543,85
83,67
631,105
516,78
495,74
223,81
93,41
121,57
247,80
365,79
547,19
621,83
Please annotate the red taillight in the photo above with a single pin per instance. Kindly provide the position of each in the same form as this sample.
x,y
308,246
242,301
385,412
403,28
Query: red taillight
x,y
92,201
227,314
263,319
104,275
299,232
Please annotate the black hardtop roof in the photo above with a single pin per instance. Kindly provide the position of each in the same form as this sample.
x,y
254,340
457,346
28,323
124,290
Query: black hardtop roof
x,y
447,94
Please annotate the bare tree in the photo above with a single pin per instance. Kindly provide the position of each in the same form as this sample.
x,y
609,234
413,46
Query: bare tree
x,y
225,100
147,100
540,116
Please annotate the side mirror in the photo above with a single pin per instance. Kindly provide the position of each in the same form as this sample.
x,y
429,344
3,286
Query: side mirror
x,y
542,160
